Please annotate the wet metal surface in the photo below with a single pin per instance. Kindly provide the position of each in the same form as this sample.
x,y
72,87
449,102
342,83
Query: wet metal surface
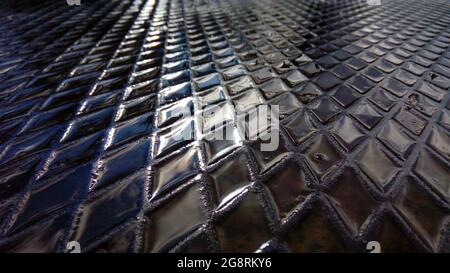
x,y
90,103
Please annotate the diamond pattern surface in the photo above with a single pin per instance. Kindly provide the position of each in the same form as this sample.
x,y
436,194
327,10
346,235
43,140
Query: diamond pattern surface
x,y
94,99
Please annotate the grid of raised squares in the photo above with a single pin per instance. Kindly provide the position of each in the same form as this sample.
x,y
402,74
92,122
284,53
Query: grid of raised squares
x,y
105,127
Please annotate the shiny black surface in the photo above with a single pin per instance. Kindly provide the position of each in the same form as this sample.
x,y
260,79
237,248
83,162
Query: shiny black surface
x,y
90,98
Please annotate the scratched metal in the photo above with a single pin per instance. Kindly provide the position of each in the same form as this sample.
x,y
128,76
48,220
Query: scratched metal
x,y
87,95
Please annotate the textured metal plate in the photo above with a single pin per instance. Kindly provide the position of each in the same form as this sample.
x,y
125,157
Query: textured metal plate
x,y
88,94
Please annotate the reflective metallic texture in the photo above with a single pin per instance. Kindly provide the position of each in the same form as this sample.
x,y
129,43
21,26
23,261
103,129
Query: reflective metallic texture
x,y
90,98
